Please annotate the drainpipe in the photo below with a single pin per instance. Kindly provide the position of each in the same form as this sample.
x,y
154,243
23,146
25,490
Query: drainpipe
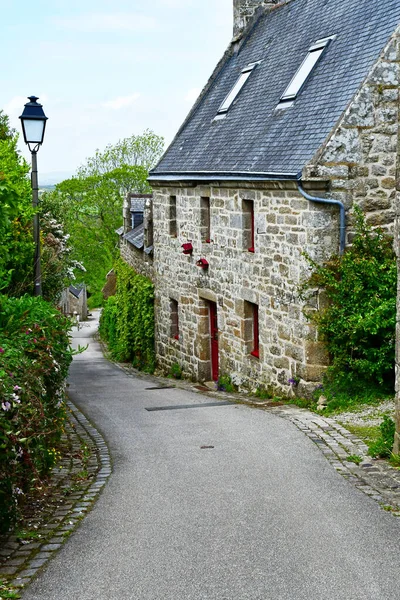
x,y
329,201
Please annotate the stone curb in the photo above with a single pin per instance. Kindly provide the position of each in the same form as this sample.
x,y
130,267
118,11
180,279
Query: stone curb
x,y
22,560
374,477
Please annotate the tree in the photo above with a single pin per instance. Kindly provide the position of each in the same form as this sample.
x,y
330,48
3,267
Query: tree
x,y
16,243
6,133
90,204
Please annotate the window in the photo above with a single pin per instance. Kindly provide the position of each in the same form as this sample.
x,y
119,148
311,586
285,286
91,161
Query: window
x,y
205,219
304,71
137,219
172,216
174,319
252,329
231,97
256,345
248,225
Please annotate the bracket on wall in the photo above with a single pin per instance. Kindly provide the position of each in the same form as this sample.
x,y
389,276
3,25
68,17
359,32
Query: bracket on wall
x,y
202,263
187,248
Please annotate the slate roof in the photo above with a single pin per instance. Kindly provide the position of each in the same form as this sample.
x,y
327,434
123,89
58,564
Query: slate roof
x,y
136,236
254,138
120,230
137,204
76,290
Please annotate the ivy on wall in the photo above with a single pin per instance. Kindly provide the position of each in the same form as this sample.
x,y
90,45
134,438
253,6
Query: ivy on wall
x,y
127,320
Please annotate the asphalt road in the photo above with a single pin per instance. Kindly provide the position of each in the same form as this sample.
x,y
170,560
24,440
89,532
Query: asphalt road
x,y
261,516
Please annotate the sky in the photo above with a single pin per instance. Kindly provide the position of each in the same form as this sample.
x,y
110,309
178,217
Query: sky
x,y
106,70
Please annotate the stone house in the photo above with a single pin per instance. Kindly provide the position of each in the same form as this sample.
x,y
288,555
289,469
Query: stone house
x,y
298,124
136,233
74,301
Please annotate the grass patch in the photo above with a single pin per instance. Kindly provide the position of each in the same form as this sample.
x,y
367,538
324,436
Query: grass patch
x,y
367,433
7,591
355,458
26,534
353,401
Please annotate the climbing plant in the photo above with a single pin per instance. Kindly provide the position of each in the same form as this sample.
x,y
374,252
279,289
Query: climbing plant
x,y
127,320
357,320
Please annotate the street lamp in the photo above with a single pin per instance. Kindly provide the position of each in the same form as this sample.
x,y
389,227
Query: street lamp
x,y
33,122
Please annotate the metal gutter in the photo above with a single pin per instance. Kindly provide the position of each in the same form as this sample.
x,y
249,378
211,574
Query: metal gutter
x,y
331,202
224,176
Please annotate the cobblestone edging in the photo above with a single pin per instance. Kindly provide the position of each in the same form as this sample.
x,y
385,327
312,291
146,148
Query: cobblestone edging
x,y
21,559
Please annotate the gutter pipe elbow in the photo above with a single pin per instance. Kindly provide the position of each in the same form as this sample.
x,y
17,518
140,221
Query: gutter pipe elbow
x,y
331,202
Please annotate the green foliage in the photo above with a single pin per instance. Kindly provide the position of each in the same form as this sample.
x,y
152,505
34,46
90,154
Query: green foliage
x,y
263,393
225,384
90,203
382,447
6,133
352,398
355,458
95,300
127,319
368,433
8,591
357,320
175,371
16,243
34,360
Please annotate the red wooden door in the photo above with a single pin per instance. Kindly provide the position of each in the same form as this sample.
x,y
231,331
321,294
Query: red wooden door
x,y
214,340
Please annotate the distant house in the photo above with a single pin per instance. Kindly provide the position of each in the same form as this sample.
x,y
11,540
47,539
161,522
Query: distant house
x,y
298,124
136,234
74,301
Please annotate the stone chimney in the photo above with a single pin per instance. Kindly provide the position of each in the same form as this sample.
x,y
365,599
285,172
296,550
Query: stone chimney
x,y
243,10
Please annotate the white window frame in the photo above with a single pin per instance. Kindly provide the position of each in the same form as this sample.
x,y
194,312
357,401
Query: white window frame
x,y
233,94
302,74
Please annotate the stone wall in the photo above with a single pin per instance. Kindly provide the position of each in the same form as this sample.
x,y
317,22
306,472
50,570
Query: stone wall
x,y
285,225
140,259
358,165
141,262
360,158
243,11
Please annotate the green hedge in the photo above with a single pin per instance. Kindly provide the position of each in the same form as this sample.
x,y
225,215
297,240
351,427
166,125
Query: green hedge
x,y
34,358
127,319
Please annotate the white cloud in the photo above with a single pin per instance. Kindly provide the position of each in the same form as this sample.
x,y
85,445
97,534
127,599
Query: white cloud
x,y
103,22
121,102
192,95
14,107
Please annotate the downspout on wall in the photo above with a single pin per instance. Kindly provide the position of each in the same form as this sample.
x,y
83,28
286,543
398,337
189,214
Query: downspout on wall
x,y
330,202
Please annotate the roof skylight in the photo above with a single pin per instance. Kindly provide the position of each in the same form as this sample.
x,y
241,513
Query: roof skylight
x,y
231,97
304,71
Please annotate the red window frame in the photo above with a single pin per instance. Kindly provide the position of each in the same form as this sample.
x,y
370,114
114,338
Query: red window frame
x,y
256,342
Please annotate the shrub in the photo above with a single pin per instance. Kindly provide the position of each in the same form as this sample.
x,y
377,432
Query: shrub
x,y
357,322
34,360
384,444
127,319
225,384
175,371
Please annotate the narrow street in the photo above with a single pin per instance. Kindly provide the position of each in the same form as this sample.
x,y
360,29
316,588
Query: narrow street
x,y
258,514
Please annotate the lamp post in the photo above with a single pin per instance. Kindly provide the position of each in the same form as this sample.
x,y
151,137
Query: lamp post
x,y
33,122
